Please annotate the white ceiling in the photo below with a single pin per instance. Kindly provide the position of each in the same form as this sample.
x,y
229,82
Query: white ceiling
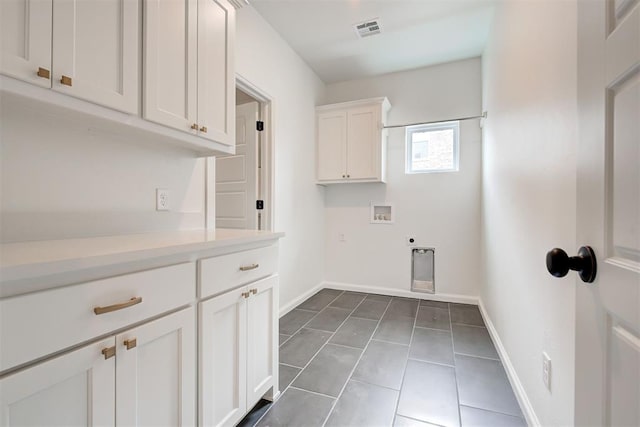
x,y
415,33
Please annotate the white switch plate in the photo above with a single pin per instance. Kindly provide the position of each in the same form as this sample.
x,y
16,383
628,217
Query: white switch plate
x,y
546,370
162,199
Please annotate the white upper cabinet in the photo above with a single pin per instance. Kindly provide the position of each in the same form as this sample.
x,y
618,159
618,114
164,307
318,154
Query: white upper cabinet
x,y
170,63
351,142
189,72
25,30
216,73
96,51
86,49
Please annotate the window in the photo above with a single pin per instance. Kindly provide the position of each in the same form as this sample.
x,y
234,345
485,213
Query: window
x,y
432,148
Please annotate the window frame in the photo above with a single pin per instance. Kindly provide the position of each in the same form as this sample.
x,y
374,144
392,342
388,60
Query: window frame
x,y
410,130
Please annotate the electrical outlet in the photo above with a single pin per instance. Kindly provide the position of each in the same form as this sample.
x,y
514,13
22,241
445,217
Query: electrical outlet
x,y
162,199
411,241
546,370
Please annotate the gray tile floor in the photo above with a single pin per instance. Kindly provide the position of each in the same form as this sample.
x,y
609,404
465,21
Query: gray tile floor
x,y
353,359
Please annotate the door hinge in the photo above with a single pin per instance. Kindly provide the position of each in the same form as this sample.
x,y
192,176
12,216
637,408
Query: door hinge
x,y
259,126
259,204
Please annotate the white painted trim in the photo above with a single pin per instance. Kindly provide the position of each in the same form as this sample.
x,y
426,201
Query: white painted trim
x,y
267,139
456,298
301,298
525,404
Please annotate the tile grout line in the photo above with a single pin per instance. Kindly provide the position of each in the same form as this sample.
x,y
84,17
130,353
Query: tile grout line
x,y
494,412
313,357
357,361
455,370
420,421
433,329
477,357
391,342
312,311
406,363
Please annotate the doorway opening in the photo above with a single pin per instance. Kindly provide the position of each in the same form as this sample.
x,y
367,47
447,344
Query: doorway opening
x,y
243,181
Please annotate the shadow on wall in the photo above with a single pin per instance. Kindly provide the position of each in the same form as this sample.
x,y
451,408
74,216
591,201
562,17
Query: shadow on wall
x,y
354,195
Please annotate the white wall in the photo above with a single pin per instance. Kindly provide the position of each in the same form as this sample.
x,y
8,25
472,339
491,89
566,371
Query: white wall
x,y
267,61
529,196
441,210
60,179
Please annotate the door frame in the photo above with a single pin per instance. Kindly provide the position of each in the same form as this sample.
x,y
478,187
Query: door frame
x,y
265,155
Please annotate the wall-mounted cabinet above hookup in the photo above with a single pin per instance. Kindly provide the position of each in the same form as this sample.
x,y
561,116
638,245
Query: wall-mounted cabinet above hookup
x,y
382,213
351,142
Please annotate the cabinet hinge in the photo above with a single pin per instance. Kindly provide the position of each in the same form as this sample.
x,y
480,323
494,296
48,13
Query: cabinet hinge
x,y
259,126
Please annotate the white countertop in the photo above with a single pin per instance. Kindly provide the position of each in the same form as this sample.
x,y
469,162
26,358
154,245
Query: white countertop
x,y
30,266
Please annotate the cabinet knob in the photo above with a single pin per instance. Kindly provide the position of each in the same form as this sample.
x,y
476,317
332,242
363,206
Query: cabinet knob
x,y
254,291
246,294
348,176
203,129
194,126
344,176
131,343
44,73
66,80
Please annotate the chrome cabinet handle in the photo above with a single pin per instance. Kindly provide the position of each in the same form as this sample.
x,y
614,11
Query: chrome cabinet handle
x,y
116,307
249,267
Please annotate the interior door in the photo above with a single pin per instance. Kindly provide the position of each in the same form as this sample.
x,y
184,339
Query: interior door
x,y
237,175
608,310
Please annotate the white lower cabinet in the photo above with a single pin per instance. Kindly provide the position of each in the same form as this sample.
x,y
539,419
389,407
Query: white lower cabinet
x,y
238,351
156,372
76,389
142,377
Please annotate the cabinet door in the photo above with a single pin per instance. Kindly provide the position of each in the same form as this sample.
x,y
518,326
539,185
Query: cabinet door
x,y
96,44
332,145
25,29
363,146
170,63
156,373
75,389
262,348
216,74
223,359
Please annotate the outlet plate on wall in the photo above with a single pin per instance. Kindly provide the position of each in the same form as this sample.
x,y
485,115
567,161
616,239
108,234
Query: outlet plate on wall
x,y
546,370
162,199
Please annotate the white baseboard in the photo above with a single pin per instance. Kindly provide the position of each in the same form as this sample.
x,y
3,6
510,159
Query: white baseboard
x,y
527,410
463,299
293,304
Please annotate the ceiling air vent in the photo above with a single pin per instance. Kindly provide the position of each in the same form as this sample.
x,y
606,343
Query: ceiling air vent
x,y
368,28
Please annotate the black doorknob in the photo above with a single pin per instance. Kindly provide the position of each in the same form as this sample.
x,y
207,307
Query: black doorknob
x,y
559,263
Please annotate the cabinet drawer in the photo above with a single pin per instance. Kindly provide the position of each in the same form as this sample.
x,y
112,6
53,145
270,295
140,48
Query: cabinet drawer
x,y
225,272
41,323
